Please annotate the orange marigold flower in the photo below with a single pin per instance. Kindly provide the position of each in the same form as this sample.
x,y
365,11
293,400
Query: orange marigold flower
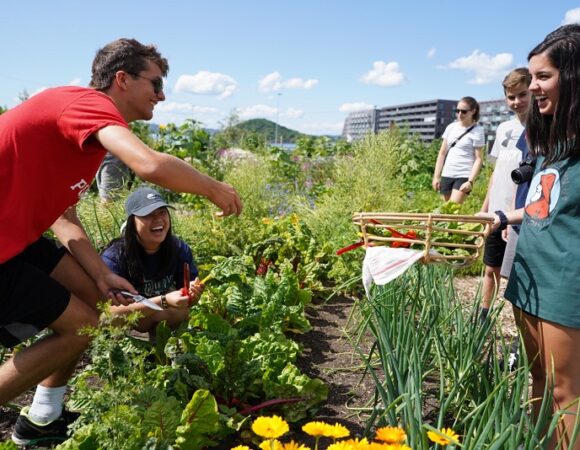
x,y
270,427
391,435
443,437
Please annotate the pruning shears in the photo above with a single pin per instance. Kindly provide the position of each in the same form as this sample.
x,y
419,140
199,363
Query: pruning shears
x,y
137,298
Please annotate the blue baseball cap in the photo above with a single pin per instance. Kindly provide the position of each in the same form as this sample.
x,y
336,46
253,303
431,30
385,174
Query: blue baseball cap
x,y
144,201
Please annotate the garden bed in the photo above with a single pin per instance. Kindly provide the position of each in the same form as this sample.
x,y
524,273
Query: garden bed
x,y
328,355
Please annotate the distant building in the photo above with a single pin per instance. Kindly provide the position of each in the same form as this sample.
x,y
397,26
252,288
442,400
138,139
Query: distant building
x,y
428,119
491,114
359,123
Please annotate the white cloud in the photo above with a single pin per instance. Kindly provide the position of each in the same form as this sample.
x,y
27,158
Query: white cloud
x,y
75,82
184,108
252,112
356,106
384,74
571,16
333,128
486,68
431,52
207,83
293,113
273,82
262,111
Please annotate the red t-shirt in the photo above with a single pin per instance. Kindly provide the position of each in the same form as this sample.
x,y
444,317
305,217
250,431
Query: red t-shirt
x,y
48,158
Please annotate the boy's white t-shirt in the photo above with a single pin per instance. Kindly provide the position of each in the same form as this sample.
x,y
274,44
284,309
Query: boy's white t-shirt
x,y
507,158
461,157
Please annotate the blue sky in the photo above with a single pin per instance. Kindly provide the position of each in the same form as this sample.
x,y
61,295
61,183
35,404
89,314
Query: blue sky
x,y
306,63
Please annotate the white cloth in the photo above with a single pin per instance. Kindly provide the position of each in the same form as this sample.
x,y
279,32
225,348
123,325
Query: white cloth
x,y
461,157
384,264
508,157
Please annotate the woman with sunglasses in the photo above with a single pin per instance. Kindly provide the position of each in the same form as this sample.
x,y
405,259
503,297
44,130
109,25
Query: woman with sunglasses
x,y
151,258
461,154
544,281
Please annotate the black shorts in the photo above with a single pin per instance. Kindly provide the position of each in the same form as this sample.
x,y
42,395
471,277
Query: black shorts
x,y
30,300
494,249
448,184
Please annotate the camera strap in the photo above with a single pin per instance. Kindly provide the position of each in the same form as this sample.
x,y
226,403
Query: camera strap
x,y
462,134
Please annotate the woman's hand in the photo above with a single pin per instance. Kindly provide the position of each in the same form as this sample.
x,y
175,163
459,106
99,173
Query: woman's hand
x,y
176,300
196,288
466,187
436,183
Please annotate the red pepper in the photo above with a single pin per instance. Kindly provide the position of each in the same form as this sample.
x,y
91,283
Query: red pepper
x,y
348,248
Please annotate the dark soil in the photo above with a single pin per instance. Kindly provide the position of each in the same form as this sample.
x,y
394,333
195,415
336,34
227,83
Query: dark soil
x,y
329,355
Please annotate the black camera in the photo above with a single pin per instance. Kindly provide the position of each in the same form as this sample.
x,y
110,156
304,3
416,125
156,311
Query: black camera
x,y
525,172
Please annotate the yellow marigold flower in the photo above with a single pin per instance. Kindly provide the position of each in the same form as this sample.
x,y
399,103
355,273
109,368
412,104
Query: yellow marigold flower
x,y
316,428
444,437
380,446
241,447
294,219
357,444
271,444
270,427
391,435
337,431
341,445
266,220
294,446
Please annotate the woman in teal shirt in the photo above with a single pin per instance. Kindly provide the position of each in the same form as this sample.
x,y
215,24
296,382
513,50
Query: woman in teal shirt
x,y
544,284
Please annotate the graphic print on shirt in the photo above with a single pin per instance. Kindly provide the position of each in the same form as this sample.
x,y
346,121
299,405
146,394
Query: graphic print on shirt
x,y
543,194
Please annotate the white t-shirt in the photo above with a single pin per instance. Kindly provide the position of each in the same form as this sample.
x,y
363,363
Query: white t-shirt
x,y
461,156
507,158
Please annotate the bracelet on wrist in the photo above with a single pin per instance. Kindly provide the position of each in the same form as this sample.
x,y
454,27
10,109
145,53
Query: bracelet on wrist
x,y
164,303
503,220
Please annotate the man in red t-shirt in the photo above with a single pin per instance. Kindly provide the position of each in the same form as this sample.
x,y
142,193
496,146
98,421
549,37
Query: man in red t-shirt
x,y
50,149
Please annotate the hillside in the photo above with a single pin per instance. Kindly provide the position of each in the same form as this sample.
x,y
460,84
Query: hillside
x,y
267,128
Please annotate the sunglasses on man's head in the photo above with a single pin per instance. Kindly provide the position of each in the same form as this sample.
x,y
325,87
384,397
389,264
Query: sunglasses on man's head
x,y
461,111
156,82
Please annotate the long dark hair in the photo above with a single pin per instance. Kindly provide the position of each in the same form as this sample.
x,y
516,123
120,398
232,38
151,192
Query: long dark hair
x,y
132,254
555,136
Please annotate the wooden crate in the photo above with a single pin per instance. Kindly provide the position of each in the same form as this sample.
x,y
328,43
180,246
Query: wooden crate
x,y
473,233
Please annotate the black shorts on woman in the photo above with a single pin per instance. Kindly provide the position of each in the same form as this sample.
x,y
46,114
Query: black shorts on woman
x,y
30,300
448,184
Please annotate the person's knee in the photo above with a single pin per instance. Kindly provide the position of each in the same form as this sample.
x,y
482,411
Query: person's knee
x,y
77,316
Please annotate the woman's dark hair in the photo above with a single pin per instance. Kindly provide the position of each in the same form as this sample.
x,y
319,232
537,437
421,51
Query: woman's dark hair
x,y
473,105
554,136
132,253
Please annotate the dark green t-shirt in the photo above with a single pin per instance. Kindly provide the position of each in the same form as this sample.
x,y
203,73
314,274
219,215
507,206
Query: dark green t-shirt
x,y
545,278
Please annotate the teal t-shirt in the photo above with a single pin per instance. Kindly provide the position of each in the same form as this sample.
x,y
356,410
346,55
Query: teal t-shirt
x,y
545,277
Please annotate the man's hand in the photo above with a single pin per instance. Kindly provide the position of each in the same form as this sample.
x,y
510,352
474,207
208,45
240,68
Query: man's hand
x,y
112,281
225,197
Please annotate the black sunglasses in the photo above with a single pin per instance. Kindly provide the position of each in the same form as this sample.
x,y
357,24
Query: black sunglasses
x,y
156,82
462,111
